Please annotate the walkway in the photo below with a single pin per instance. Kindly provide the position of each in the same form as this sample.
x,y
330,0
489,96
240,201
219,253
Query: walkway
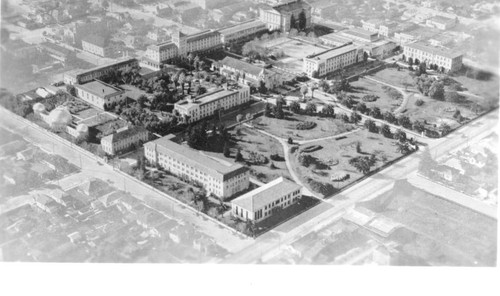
x,y
289,166
301,142
406,95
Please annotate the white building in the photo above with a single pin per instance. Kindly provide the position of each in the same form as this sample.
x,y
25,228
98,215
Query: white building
x,y
440,22
99,94
447,60
124,139
208,104
99,45
219,177
242,32
83,76
279,17
332,60
245,72
266,200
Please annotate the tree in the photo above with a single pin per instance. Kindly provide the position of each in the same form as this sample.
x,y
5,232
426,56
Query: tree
x,y
345,118
403,147
290,140
363,163
385,130
404,121
302,20
310,108
436,91
267,110
445,129
389,117
375,112
418,126
239,156
371,126
329,110
293,23
295,107
410,61
226,150
141,101
303,91
262,87
400,135
358,147
278,113
355,117
361,107
71,90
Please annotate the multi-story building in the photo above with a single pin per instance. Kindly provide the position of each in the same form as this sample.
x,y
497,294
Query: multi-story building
x,y
85,76
181,45
415,34
335,39
279,17
99,94
360,35
388,29
218,177
123,139
242,32
194,109
245,73
372,25
332,60
440,22
99,45
266,200
446,60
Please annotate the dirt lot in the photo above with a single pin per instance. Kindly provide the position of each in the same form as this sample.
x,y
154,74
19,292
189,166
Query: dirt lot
x,y
285,128
334,156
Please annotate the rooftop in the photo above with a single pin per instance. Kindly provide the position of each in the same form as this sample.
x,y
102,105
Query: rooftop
x,y
96,40
242,26
99,88
124,134
336,37
262,196
206,164
360,33
242,66
207,98
435,50
291,6
202,35
328,54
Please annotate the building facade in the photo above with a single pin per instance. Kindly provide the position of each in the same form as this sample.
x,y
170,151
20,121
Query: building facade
x,y
245,73
218,177
242,32
98,45
332,60
446,60
123,139
280,17
99,94
85,76
440,22
266,200
208,104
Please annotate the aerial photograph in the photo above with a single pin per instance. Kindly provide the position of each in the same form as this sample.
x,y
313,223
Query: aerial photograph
x,y
256,132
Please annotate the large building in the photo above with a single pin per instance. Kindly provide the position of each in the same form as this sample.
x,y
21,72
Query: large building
x,y
446,60
266,200
245,73
123,139
360,35
194,109
84,76
99,45
279,17
242,32
218,177
99,94
440,22
332,60
181,45
372,25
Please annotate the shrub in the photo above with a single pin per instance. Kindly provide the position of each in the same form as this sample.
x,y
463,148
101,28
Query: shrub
x,y
419,102
276,157
325,189
306,125
312,148
370,98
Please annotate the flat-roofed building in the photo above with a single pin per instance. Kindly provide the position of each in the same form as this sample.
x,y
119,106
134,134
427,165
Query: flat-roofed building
x,y
415,34
123,139
263,202
372,25
84,76
222,178
99,94
99,45
440,22
360,35
332,60
388,29
279,17
194,109
245,72
446,60
242,32
181,45
335,39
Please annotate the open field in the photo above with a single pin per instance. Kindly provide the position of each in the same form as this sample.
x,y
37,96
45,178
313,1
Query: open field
x,y
285,128
393,76
485,88
364,87
294,51
333,158
449,234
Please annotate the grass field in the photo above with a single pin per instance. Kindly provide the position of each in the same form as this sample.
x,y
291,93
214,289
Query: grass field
x,y
488,89
285,128
393,76
334,156
364,87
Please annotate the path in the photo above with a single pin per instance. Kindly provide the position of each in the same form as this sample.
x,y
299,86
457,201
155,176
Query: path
x,y
289,166
406,95
301,142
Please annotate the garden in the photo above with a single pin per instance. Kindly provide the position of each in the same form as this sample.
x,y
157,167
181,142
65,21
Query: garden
x,y
374,94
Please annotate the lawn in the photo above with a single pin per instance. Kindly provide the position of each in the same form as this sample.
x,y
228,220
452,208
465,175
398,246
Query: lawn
x,y
393,76
333,157
364,87
251,141
284,128
488,89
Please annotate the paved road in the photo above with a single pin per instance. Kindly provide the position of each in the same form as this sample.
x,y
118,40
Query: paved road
x,y
332,209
